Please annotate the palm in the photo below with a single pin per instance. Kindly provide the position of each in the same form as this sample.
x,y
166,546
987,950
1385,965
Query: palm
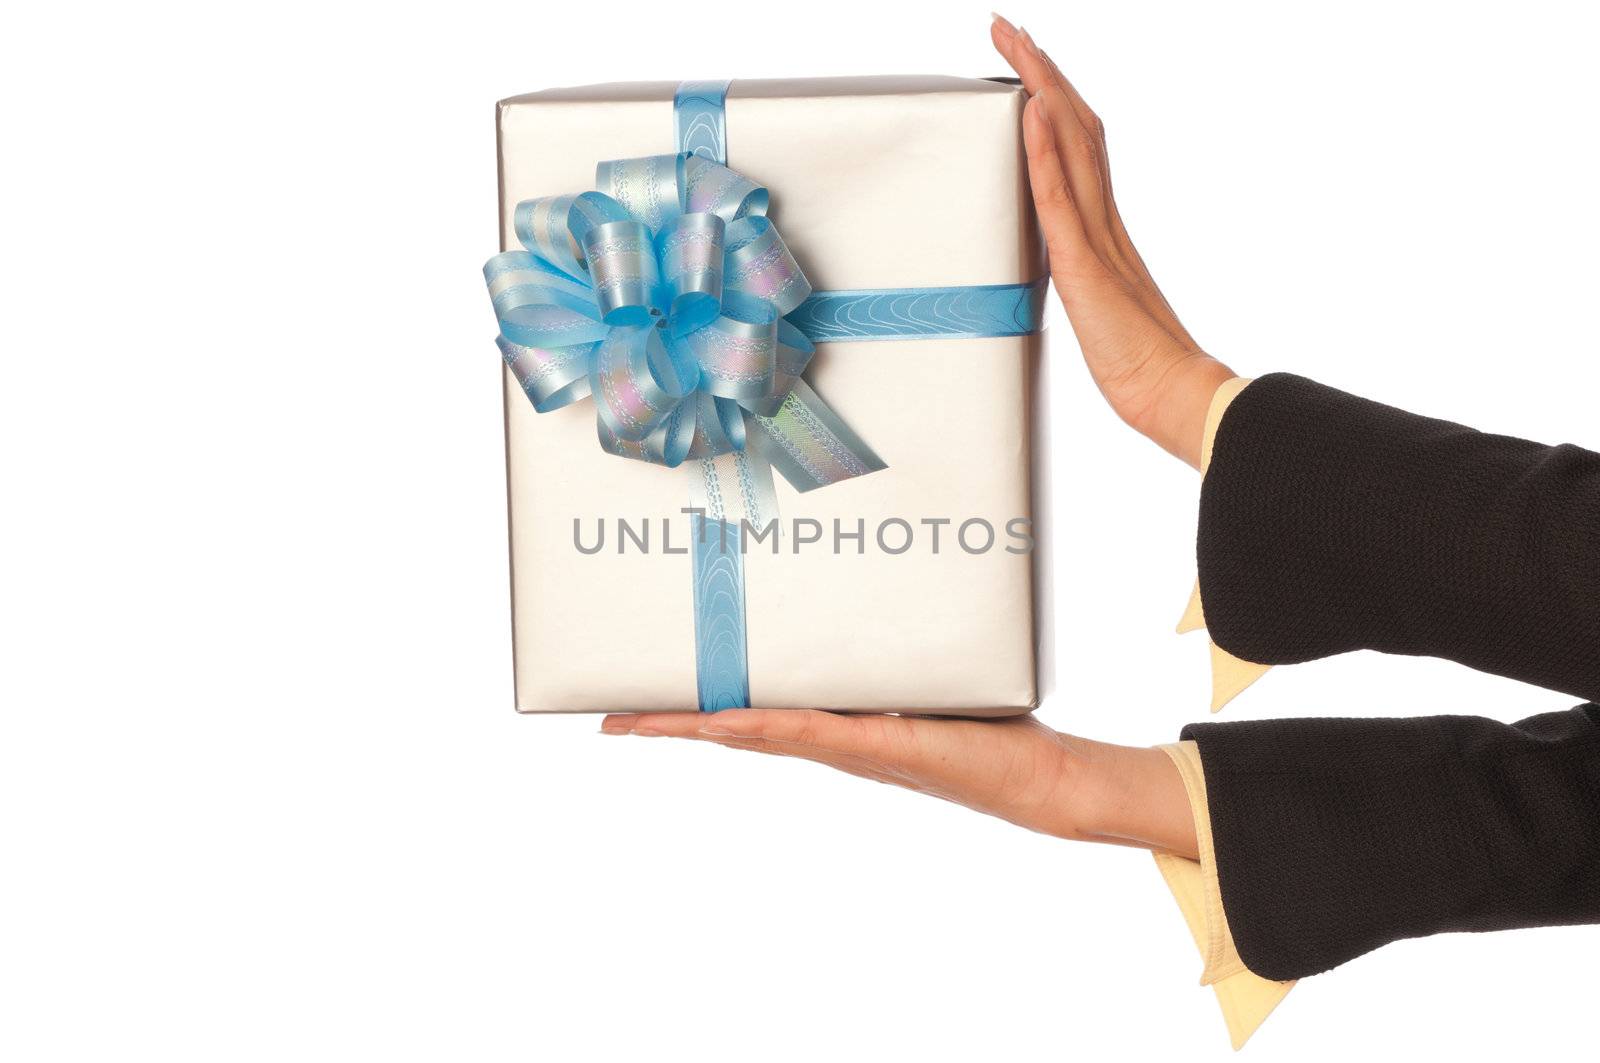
x,y
1017,768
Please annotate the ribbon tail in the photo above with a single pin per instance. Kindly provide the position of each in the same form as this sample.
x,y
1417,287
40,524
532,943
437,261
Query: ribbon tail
x,y
810,445
737,487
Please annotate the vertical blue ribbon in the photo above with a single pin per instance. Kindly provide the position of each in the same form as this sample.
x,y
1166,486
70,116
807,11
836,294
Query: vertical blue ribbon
x,y
702,118
722,667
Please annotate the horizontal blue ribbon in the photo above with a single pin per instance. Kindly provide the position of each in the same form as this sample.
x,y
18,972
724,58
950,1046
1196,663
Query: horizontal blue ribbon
x,y
968,312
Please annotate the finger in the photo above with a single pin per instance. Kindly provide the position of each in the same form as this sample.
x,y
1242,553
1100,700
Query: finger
x,y
1072,259
850,764
1082,162
1084,148
1127,255
1014,46
653,724
1001,32
1080,143
795,732
849,744
1088,139
1078,132
902,747
1095,130
1038,72
797,728
1085,114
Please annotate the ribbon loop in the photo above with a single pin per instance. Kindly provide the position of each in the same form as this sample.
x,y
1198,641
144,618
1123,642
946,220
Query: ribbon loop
x,y
792,357
553,227
636,382
622,261
649,189
552,377
738,351
538,305
691,254
759,264
711,186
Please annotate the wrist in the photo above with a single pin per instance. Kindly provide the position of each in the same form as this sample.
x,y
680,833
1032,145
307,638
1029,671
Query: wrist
x,y
1180,402
1184,399
1135,796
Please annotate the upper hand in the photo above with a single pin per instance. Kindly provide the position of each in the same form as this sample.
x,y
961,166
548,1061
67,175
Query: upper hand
x,y
1151,371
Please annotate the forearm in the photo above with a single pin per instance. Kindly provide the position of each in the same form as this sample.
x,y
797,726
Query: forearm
x,y
1331,523
1133,795
1336,836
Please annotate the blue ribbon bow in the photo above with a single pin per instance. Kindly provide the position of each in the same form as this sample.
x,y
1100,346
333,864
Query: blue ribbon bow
x,y
664,297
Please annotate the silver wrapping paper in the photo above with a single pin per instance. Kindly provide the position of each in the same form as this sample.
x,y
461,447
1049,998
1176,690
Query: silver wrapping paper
x,y
876,182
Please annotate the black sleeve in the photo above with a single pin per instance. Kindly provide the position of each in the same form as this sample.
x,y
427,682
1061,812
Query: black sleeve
x,y
1333,837
1331,523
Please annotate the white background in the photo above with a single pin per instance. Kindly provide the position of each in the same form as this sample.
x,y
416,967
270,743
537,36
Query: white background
x,y
262,794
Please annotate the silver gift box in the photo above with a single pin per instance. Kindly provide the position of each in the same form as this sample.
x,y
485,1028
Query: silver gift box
x,y
876,182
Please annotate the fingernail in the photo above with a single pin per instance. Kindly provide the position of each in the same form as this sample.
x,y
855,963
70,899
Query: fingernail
x,y
716,732
1027,41
646,731
609,728
1004,23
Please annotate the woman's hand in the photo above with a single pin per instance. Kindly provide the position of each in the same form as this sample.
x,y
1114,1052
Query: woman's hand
x,y
1017,769
1146,364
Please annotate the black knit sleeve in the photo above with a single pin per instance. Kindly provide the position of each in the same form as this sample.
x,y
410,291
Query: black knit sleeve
x,y
1331,523
1333,837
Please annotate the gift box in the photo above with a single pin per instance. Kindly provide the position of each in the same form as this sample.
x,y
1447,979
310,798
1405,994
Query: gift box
x,y
839,280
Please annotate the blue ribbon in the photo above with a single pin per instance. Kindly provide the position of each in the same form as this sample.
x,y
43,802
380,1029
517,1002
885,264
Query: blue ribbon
x,y
722,669
970,312
700,110
671,299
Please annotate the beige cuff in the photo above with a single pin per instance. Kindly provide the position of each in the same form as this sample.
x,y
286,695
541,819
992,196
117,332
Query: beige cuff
x,y
1246,999
1229,674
